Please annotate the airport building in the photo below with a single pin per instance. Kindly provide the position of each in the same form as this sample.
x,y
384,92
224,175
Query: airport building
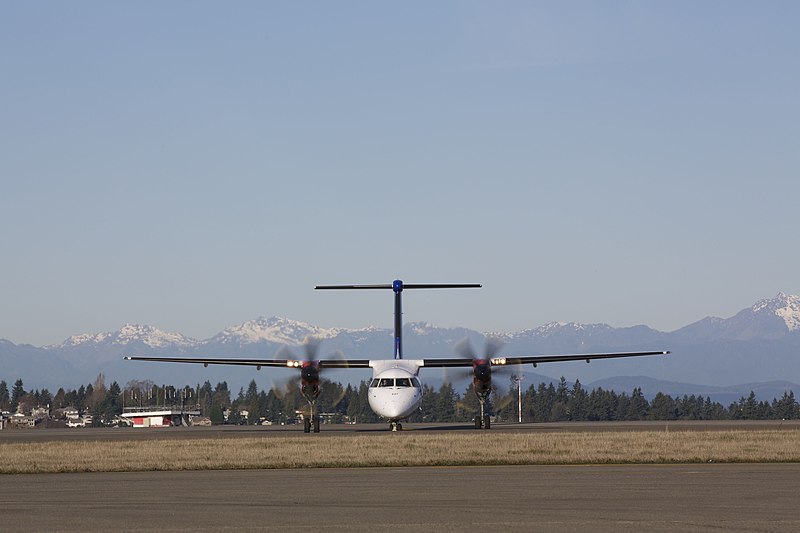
x,y
158,417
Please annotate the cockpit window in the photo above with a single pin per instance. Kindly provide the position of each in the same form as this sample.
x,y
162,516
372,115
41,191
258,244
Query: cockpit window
x,y
416,382
402,382
374,383
386,382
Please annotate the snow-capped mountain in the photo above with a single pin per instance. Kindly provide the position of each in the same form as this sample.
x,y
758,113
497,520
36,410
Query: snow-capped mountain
x,y
766,319
273,329
128,334
760,343
784,306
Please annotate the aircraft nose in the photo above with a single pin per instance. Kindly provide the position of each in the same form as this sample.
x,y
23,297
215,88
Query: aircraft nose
x,y
393,410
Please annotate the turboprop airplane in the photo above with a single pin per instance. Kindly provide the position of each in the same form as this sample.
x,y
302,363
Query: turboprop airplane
x,y
395,390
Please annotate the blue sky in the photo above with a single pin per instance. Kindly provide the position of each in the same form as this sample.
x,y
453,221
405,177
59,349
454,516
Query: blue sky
x,y
192,165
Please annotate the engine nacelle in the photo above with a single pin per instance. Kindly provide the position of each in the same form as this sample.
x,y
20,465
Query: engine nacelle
x,y
482,378
309,381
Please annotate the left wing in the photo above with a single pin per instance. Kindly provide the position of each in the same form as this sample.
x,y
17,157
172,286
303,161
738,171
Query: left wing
x,y
536,359
258,363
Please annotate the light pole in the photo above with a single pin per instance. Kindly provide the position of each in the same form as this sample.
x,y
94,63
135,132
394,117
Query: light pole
x,y
518,379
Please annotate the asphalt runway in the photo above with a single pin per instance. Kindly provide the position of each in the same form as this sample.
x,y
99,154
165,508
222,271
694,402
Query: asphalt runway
x,y
212,432
743,497
720,497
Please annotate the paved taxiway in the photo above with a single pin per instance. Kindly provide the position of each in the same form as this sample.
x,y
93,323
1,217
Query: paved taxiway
x,y
739,497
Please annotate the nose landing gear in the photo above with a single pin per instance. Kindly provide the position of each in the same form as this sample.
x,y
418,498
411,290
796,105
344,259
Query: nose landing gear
x,y
483,421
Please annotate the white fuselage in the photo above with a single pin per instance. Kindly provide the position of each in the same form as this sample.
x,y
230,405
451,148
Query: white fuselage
x,y
395,391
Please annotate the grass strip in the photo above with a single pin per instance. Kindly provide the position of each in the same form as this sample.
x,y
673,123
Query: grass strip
x,y
403,449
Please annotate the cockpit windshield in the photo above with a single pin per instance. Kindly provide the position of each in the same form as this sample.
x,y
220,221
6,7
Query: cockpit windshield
x,y
395,382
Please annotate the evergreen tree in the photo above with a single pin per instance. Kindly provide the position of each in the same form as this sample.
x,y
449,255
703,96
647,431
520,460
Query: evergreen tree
x,y
786,408
249,401
640,407
623,407
353,403
222,395
80,398
577,402
714,410
262,405
745,408
601,405
71,398
60,400
253,411
446,403
5,398
252,392
217,418
560,410
16,394
528,401
662,407
543,402
428,406
204,398
44,399
87,398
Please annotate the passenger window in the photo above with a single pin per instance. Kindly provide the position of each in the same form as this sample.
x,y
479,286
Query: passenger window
x,y
402,382
386,382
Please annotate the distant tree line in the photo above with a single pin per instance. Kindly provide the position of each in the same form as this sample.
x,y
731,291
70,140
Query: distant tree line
x,y
544,402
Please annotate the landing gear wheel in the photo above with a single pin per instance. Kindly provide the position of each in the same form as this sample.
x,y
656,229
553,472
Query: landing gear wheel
x,y
316,425
399,426
392,426
306,425
487,423
477,423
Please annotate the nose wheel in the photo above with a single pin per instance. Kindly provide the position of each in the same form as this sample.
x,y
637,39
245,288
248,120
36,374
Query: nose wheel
x,y
395,426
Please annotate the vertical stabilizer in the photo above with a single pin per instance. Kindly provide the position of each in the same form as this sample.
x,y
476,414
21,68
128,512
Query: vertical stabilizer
x,y
398,286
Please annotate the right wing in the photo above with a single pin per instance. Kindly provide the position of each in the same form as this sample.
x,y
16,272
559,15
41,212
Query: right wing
x,y
536,359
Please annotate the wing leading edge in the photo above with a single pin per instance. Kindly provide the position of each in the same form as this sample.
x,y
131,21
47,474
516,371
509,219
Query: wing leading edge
x,y
536,359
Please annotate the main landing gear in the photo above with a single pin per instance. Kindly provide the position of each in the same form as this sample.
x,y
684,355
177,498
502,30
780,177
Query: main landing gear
x,y
395,426
308,424
483,421
311,421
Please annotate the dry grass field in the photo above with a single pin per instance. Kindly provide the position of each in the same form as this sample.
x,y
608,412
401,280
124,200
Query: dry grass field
x,y
402,449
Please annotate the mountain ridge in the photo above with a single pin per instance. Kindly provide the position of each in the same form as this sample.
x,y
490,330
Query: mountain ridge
x,y
759,343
